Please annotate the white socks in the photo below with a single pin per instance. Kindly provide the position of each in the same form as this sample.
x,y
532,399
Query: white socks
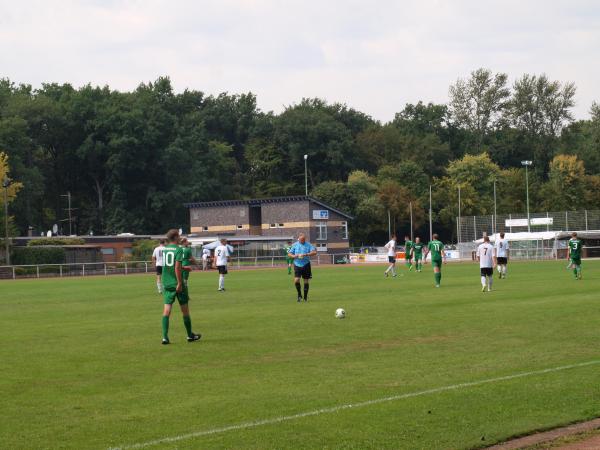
x,y
221,281
159,287
487,282
392,269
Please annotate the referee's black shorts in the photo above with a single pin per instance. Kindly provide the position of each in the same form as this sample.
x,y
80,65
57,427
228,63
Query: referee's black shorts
x,y
304,272
487,271
502,260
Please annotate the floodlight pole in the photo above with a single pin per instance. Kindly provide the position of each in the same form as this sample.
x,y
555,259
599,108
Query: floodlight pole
x,y
495,212
411,221
430,219
5,184
458,222
527,164
306,175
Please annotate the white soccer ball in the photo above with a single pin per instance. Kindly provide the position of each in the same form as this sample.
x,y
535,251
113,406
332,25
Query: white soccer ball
x,y
340,313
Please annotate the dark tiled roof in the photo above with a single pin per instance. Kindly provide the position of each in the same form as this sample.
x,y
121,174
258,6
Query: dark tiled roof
x,y
260,201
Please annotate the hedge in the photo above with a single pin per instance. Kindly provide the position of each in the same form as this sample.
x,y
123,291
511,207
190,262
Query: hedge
x,y
55,241
38,255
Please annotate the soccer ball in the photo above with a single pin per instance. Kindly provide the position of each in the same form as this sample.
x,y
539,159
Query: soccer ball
x,y
340,313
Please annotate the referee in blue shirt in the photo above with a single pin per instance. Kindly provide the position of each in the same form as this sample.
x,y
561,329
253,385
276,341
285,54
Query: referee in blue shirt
x,y
301,252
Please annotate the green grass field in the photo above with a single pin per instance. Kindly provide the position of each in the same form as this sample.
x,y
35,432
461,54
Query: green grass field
x,y
82,365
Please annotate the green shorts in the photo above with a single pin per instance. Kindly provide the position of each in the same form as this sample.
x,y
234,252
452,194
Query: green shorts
x,y
576,261
289,260
436,263
418,257
169,296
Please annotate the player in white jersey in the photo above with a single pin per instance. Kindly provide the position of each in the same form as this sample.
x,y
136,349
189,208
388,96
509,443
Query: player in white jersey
x,y
391,249
222,254
205,257
485,256
157,259
501,251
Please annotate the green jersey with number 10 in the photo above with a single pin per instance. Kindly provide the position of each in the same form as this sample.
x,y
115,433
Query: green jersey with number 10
x,y
435,248
171,254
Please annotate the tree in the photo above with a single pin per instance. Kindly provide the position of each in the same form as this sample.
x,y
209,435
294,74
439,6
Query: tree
x,y
541,108
11,192
478,103
566,185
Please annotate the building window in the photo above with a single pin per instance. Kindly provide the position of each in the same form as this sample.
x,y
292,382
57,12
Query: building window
x,y
280,225
239,227
272,225
321,247
196,215
127,251
321,231
108,251
205,228
344,230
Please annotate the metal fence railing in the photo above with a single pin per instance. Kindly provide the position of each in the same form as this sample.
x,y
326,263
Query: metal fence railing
x,y
470,228
133,267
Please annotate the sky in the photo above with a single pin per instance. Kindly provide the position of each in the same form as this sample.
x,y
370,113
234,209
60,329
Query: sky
x,y
374,56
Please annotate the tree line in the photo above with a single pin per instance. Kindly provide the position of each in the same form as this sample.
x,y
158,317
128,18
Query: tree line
x,y
132,159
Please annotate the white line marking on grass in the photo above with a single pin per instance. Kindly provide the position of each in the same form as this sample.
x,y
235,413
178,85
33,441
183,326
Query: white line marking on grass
x,y
333,409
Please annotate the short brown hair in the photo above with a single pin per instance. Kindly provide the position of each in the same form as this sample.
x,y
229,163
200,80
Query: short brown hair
x,y
486,238
173,235
435,236
502,234
574,234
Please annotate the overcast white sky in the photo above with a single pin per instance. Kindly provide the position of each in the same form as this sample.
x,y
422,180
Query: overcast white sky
x,y
372,55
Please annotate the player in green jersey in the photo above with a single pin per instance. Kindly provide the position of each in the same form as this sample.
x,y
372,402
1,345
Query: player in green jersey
x,y
288,260
187,261
574,255
417,253
174,288
407,252
436,248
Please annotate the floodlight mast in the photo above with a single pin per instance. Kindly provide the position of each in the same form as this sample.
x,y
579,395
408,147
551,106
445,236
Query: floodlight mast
x,y
5,184
306,175
527,163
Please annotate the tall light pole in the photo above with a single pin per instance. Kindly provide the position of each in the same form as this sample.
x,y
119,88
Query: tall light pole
x,y
527,164
495,211
306,175
430,218
458,224
5,184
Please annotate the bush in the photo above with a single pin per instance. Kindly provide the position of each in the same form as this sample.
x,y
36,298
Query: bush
x,y
142,249
38,255
55,241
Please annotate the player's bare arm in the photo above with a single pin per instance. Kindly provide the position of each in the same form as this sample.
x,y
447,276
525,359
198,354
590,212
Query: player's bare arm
x,y
178,275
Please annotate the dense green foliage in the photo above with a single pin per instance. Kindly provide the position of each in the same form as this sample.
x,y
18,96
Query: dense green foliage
x,y
82,365
55,241
142,249
38,255
131,159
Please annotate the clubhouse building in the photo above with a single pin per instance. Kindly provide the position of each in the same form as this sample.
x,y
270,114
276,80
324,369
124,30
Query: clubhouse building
x,y
269,223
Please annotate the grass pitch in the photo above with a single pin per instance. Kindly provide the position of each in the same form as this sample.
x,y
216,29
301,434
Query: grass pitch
x,y
82,365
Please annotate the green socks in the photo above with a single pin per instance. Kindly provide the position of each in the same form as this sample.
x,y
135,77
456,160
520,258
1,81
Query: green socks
x,y
165,327
289,270
438,277
187,321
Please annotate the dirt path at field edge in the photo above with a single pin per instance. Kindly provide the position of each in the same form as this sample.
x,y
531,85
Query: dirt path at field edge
x,y
547,437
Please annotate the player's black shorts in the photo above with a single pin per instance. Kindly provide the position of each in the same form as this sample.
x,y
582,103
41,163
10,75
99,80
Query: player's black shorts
x,y
487,271
502,260
304,272
391,259
222,270
158,270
